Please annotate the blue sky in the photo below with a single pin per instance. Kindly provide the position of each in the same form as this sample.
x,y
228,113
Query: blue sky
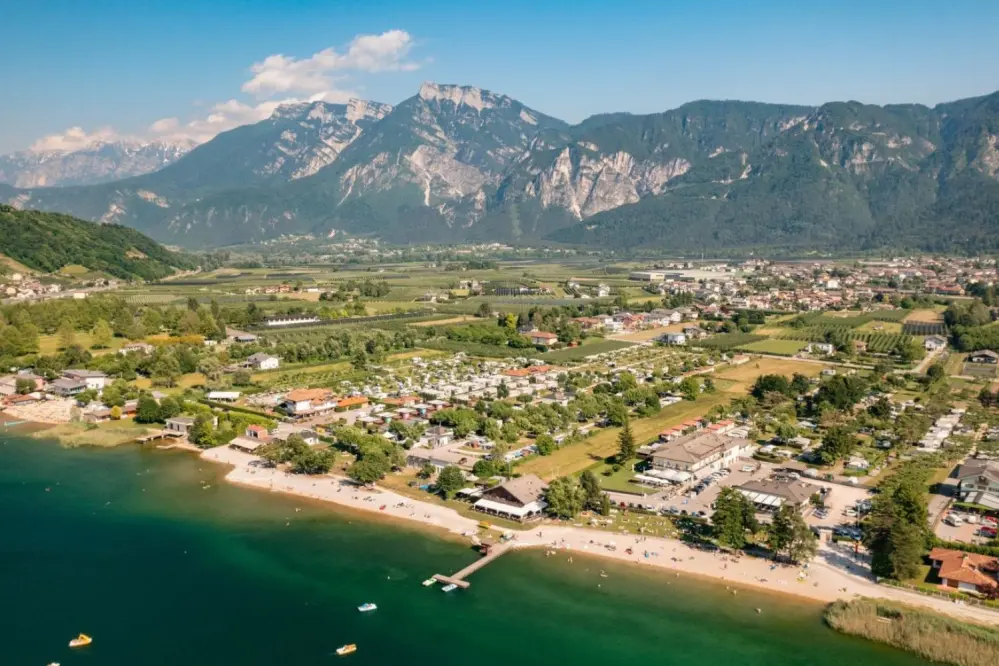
x,y
114,68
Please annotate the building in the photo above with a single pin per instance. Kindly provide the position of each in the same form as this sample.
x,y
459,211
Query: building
x,y
968,572
770,494
234,335
542,338
934,342
291,321
308,402
648,276
8,383
978,483
440,458
92,378
262,361
179,424
254,437
694,332
700,451
223,396
137,348
675,338
437,437
987,356
67,387
520,499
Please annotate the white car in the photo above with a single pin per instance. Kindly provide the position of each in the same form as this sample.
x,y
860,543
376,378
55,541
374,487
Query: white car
x,y
748,468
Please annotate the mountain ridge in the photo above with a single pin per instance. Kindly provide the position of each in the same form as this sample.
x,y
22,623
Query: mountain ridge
x,y
463,163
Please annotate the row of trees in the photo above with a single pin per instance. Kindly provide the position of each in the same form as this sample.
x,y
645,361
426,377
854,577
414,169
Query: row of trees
x,y
735,525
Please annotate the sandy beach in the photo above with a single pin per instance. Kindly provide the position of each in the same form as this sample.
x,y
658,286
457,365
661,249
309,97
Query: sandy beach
x,y
49,412
831,575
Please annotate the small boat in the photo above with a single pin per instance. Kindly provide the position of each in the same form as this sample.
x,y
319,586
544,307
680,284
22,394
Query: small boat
x,y
346,649
81,640
364,608
54,663
428,582
450,587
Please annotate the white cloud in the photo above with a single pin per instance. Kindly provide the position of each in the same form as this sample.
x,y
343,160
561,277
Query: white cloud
x,y
387,52
74,138
320,77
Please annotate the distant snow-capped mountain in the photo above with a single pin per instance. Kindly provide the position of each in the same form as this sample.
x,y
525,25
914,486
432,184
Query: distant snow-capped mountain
x,y
97,163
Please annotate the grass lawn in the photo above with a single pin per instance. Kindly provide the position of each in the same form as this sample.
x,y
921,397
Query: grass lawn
x,y
49,344
925,315
650,334
881,327
588,348
111,433
781,347
744,375
577,457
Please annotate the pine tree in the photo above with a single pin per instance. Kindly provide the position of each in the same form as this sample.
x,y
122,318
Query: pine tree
x,y
627,449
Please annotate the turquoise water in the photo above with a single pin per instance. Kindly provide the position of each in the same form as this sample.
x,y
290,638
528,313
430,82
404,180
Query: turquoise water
x,y
126,545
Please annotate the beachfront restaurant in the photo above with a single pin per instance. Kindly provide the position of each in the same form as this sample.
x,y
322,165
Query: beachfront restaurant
x,y
519,499
769,495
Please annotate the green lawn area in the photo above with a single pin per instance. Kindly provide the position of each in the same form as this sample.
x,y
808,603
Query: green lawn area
x,y
598,346
780,347
577,457
49,344
110,433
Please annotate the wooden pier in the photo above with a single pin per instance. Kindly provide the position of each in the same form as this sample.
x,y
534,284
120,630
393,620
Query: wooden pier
x,y
459,578
159,434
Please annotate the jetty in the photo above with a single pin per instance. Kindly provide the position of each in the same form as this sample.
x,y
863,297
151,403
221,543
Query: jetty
x,y
158,434
489,553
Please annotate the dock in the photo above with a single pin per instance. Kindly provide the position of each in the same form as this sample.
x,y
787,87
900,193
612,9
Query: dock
x,y
458,578
158,434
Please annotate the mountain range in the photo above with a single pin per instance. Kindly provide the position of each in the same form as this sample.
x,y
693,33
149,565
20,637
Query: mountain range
x,y
458,163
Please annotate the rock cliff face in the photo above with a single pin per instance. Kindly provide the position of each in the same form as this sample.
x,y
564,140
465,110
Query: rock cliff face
x,y
458,162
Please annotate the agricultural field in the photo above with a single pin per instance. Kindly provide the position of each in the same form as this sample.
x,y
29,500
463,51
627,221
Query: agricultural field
x,y
728,341
881,327
779,347
648,334
598,346
49,344
745,374
915,327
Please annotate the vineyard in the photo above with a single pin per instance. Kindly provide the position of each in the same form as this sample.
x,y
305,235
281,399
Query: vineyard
x,y
727,341
878,343
924,328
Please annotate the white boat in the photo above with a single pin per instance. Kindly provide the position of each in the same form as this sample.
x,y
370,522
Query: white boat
x,y
346,649
428,582
364,608
450,587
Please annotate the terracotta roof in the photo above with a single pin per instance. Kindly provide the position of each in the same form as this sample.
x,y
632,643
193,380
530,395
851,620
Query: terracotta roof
x,y
544,335
965,567
301,395
402,400
352,401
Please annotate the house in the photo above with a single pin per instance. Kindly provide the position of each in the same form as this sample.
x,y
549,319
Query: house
x,y
8,383
978,483
700,451
440,458
542,338
254,437
859,346
179,424
66,387
694,332
351,402
968,572
223,396
308,402
674,338
137,348
771,494
820,348
437,437
233,335
519,499
986,356
262,361
934,342
92,378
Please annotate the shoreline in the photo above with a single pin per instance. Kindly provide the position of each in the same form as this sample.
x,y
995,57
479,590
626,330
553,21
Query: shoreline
x,y
820,581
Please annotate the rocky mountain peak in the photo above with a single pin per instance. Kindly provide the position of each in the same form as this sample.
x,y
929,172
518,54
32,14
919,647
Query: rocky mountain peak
x,y
476,98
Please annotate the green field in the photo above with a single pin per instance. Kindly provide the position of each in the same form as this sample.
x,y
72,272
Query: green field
x,y
779,347
584,350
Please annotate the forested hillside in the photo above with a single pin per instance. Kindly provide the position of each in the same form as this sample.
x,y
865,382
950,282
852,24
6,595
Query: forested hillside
x,y
49,241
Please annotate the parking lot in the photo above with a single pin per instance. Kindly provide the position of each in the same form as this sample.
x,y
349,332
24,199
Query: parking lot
x,y
965,533
840,499
704,500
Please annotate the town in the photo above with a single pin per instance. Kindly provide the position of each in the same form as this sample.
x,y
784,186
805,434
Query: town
x,y
787,409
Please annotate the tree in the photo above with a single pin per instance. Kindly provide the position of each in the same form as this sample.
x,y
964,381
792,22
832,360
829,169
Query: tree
x,y
881,409
734,515
169,408
626,446
366,471
210,367
545,444
427,471
838,443
896,531
789,532
800,384
485,310
24,386
116,413
765,384
313,460
593,494
565,497
690,388
502,391
786,431
450,481
67,334
359,360
147,411
101,335
201,432
935,372
242,378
